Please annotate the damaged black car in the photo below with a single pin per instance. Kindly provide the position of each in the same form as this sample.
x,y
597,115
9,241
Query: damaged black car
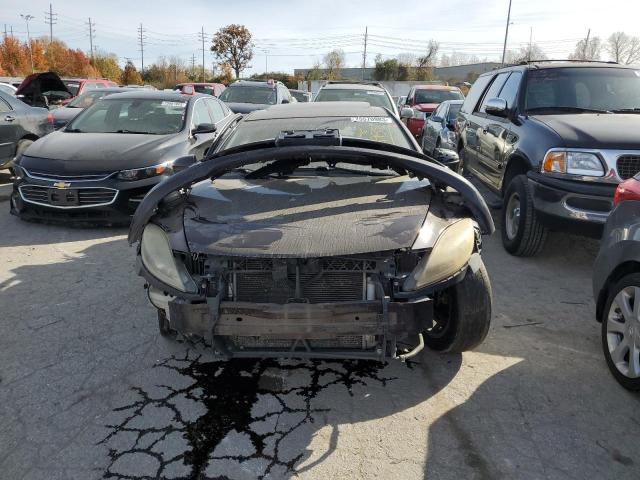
x,y
317,230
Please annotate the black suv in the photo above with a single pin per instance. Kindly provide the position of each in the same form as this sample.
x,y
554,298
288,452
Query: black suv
x,y
244,96
552,140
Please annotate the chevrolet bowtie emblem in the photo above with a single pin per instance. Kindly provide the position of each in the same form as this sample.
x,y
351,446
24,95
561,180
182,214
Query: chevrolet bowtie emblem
x,y
61,185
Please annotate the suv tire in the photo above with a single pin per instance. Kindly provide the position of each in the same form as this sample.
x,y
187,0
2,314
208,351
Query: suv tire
x,y
522,233
462,312
617,328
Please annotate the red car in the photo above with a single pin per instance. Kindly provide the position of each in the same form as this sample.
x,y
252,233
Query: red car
x,y
77,86
214,89
423,100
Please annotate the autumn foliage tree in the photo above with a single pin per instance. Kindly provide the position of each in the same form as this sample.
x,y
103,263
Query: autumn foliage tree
x,y
130,75
232,46
14,57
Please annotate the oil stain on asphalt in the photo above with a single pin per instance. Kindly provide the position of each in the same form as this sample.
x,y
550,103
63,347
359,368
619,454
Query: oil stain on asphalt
x,y
227,420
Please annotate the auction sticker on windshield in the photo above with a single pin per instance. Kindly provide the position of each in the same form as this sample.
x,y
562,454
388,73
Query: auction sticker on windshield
x,y
172,104
371,119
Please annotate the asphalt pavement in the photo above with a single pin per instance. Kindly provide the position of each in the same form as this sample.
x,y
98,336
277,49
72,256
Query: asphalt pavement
x,y
88,389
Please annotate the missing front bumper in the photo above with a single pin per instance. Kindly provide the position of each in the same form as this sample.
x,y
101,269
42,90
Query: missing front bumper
x,y
360,329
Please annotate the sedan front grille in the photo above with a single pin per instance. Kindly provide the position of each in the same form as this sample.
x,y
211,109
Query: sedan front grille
x,y
67,197
628,166
314,281
67,178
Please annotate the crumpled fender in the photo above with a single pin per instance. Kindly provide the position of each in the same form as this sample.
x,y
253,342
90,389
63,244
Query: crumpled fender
x,y
219,165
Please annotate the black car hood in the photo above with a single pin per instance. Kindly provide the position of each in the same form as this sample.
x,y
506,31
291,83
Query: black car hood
x,y
595,130
37,83
348,203
87,153
246,107
303,217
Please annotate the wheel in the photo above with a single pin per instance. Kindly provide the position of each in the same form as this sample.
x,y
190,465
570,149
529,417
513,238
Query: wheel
x,y
22,146
621,331
163,325
522,233
462,312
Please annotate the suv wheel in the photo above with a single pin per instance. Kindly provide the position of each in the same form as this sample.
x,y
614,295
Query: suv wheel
x,y
462,312
522,233
621,331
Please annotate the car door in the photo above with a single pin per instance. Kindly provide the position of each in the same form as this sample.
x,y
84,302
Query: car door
x,y
9,127
200,142
432,127
468,123
490,132
495,139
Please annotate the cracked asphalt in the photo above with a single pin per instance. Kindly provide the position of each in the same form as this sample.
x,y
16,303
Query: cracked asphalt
x,y
89,390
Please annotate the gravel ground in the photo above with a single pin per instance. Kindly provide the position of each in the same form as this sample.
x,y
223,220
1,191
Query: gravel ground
x,y
89,390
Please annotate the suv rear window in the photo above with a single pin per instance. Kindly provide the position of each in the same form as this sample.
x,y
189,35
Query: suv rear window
x,y
247,94
595,88
437,96
375,98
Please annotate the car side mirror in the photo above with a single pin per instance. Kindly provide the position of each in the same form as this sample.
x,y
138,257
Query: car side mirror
x,y
182,163
203,128
406,112
497,107
284,100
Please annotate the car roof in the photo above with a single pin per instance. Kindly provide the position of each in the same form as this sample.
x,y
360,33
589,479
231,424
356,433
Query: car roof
x,y
454,102
253,83
436,87
319,109
352,86
141,93
544,65
199,83
87,79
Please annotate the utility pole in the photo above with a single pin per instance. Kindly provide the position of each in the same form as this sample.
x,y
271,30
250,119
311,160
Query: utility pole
x,y
92,31
50,18
141,40
11,27
202,37
26,19
506,33
586,45
5,30
530,41
193,63
364,54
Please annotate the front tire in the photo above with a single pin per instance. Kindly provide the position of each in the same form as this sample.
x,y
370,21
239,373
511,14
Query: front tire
x,y
462,312
621,331
22,146
522,233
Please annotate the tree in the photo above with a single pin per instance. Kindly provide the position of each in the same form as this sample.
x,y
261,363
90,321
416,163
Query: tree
x,y
225,76
130,75
232,46
623,48
587,50
14,57
334,62
316,71
107,66
525,54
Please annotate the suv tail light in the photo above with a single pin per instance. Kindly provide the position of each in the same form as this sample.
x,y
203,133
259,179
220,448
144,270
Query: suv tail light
x,y
627,190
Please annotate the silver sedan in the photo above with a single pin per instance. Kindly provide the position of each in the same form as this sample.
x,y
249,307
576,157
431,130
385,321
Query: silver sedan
x,y
438,131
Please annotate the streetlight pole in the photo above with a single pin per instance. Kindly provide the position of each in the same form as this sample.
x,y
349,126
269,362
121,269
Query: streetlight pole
x,y
506,33
26,18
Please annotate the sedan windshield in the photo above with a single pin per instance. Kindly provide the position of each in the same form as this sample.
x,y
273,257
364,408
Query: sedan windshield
x,y
375,98
377,129
580,89
86,99
131,115
257,95
437,96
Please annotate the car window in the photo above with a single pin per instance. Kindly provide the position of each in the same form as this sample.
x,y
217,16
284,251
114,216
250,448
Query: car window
x,y
86,99
475,93
493,90
73,87
201,114
437,96
249,94
208,89
454,108
375,98
131,115
439,111
91,86
510,89
4,106
217,111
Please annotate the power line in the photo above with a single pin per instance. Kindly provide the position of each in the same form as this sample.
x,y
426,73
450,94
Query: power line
x,y
202,38
364,54
92,32
50,18
142,43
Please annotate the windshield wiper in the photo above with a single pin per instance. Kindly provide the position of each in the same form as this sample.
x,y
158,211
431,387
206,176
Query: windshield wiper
x,y
133,131
567,109
627,110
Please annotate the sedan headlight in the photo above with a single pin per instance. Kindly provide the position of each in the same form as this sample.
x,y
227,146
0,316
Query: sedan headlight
x,y
573,163
158,259
449,255
147,172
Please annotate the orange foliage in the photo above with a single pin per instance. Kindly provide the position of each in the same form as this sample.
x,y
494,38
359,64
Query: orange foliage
x,y
14,57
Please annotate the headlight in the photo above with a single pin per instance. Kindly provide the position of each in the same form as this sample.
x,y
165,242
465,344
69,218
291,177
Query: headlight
x,y
158,258
449,255
417,114
147,172
573,163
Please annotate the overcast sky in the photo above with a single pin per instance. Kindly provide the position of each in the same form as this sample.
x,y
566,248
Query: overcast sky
x,y
296,33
